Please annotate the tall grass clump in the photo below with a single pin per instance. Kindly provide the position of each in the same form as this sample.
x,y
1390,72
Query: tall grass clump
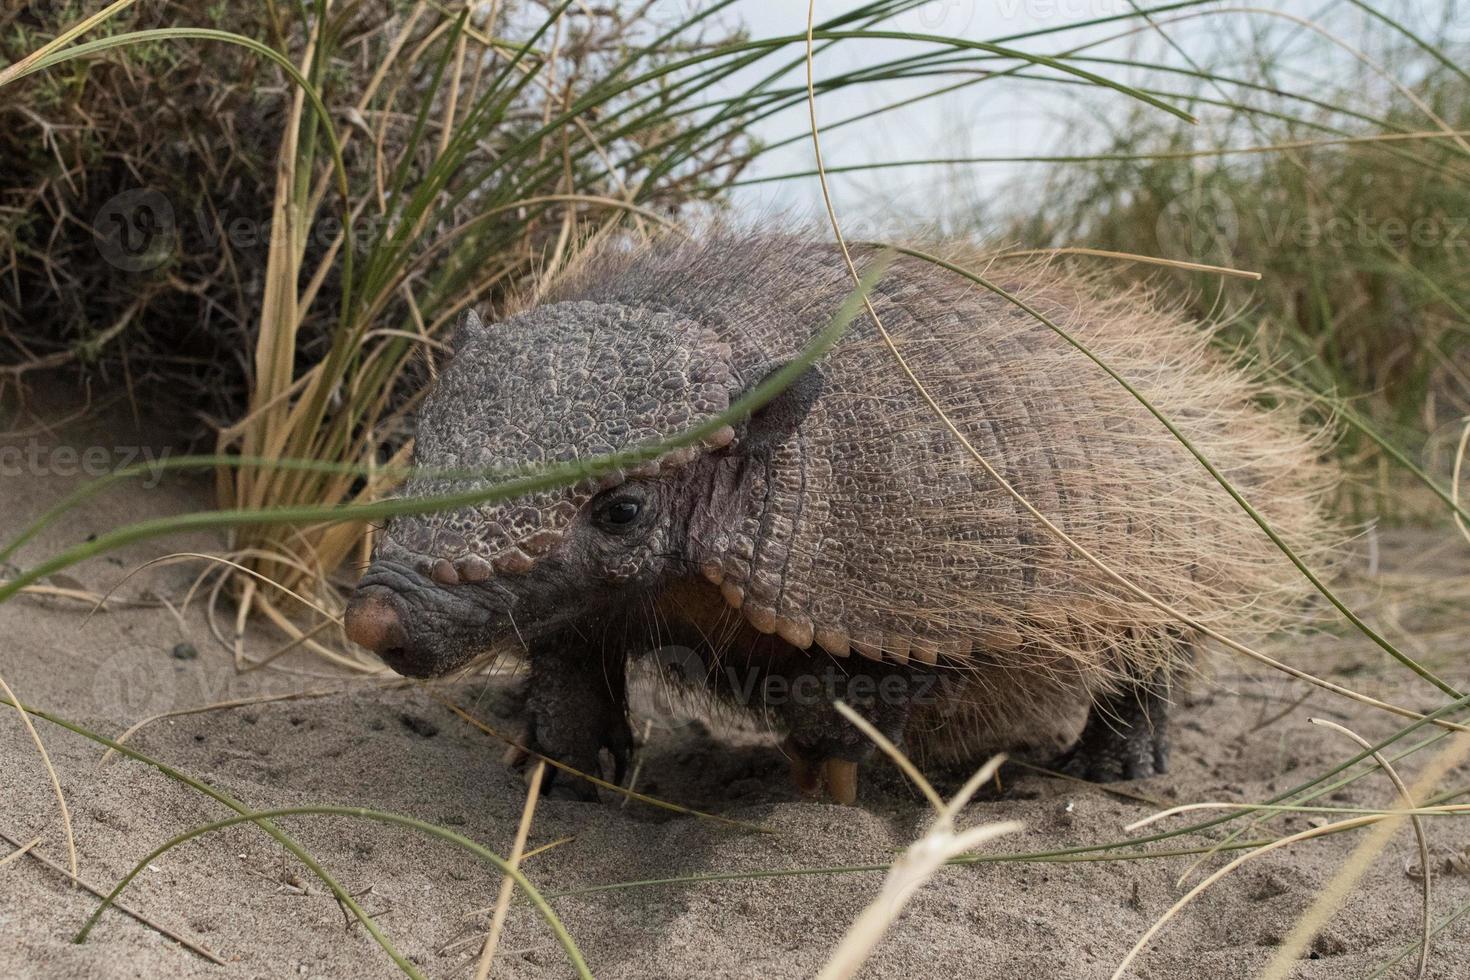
x,y
1355,209
174,141
310,263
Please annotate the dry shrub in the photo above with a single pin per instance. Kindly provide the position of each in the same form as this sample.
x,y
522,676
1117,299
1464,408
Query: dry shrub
x,y
480,148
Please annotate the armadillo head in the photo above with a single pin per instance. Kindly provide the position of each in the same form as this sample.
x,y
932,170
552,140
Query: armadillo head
x,y
564,382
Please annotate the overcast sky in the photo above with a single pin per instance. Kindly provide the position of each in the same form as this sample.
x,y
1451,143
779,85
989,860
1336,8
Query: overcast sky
x,y
1010,117
987,119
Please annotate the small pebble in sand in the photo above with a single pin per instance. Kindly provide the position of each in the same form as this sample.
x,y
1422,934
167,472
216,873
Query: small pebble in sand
x,y
184,651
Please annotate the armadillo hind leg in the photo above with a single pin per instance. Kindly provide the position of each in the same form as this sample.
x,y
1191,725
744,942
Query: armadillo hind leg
x,y
576,707
1126,735
824,748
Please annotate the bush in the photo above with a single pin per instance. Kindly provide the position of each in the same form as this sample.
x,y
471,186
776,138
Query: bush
x,y
145,243
1362,245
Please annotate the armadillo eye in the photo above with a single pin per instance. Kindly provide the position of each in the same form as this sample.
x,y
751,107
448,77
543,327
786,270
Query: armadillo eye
x,y
620,513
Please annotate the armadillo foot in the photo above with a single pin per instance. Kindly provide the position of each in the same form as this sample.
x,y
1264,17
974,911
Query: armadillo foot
x,y
1126,737
576,708
837,776
841,779
585,758
517,755
805,775
825,749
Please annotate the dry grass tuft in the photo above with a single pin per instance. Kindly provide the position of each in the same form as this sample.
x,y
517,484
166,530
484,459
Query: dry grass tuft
x,y
921,861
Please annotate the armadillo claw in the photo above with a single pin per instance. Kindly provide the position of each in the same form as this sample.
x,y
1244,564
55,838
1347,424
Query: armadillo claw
x,y
837,776
807,777
584,759
841,779
516,754
619,744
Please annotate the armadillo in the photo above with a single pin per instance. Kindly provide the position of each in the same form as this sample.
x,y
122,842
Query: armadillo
x,y
841,531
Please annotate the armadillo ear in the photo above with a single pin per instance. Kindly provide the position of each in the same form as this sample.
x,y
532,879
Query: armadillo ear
x,y
469,324
782,415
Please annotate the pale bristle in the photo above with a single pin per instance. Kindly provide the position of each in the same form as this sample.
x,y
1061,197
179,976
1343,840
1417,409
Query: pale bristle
x,y
954,572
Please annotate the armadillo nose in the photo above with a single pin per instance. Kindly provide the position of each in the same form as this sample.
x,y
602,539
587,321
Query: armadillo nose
x,y
373,621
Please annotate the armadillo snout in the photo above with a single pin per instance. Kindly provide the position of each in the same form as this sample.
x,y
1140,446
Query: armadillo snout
x,y
375,620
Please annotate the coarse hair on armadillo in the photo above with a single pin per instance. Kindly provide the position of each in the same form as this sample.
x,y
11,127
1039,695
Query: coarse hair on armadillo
x,y
879,534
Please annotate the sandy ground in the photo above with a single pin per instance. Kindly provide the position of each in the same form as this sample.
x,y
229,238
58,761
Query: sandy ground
x,y
241,896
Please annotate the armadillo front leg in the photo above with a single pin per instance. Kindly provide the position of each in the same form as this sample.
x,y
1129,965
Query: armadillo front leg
x,y
1126,736
824,748
576,707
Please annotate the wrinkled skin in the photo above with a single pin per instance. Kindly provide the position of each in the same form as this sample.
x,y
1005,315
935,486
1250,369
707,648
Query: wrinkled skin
x,y
575,613
588,581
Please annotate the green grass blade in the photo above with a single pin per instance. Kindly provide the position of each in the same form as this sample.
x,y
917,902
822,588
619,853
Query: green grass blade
x,y
220,796
568,944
